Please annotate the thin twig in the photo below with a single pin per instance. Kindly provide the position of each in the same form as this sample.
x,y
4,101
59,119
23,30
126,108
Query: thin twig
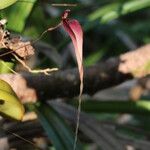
x,y
45,71
64,5
20,137
34,41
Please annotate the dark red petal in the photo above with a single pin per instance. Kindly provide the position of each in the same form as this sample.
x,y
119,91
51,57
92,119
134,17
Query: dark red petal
x,y
75,32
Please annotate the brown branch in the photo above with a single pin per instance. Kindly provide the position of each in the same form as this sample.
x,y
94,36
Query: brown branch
x,y
113,71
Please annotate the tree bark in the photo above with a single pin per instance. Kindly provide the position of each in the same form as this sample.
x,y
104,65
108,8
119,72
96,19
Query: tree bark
x,y
30,87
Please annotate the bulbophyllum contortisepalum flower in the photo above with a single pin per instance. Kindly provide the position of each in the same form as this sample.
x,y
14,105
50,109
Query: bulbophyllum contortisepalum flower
x,y
75,32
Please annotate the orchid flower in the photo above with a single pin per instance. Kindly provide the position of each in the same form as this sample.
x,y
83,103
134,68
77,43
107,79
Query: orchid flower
x,y
75,32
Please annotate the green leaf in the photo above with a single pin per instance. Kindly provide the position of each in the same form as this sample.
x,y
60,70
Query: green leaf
x,y
93,58
4,86
6,3
89,126
10,105
17,15
115,10
56,128
138,107
6,67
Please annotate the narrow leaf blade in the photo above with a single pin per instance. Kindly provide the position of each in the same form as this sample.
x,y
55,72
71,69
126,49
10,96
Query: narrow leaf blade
x,y
57,130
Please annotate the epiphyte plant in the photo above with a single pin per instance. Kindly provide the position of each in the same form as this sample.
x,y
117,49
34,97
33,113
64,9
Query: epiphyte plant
x,y
75,32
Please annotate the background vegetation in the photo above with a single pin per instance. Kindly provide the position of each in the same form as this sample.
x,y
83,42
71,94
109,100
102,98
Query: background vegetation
x,y
110,120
